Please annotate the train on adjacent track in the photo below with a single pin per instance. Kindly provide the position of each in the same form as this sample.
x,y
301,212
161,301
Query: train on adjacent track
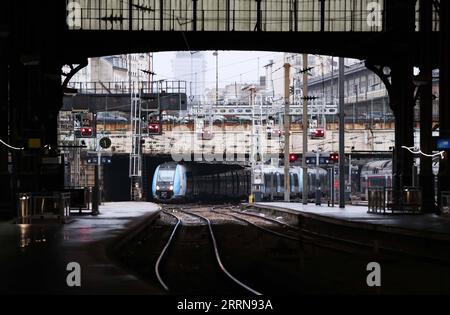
x,y
379,173
176,182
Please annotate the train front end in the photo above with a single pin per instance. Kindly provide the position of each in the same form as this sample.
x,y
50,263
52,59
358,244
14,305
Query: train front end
x,y
163,182
168,185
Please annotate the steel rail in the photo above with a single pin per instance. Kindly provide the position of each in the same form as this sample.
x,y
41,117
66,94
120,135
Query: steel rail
x,y
163,252
259,227
216,251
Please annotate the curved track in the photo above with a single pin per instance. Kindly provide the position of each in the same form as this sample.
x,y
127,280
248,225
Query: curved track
x,y
214,244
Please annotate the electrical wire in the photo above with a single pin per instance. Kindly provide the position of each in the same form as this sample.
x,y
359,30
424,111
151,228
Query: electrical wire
x,y
10,146
413,150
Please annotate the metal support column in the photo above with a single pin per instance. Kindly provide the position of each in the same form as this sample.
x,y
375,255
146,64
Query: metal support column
x,y
444,110
305,130
341,134
287,190
402,72
426,179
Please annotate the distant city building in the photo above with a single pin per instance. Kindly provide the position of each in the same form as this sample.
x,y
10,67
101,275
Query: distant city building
x,y
117,68
191,67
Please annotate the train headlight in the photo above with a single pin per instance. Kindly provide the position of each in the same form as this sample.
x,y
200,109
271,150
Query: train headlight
x,y
171,187
157,187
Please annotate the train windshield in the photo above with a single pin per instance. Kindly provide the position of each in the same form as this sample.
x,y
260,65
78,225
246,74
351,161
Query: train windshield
x,y
166,175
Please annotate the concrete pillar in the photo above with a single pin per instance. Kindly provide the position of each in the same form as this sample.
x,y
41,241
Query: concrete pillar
x,y
426,177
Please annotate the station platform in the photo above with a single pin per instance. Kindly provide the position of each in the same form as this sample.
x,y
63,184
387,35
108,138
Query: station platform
x,y
34,258
426,235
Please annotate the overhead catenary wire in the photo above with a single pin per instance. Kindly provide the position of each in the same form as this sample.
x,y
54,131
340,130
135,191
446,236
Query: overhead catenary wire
x,y
223,66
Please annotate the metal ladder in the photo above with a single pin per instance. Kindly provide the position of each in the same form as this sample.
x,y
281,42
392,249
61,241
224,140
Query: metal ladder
x,y
257,150
135,170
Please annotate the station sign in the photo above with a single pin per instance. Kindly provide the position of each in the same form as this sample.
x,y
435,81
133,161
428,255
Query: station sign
x,y
443,144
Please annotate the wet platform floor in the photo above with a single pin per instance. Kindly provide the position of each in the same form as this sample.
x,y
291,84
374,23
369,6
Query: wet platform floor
x,y
420,225
34,258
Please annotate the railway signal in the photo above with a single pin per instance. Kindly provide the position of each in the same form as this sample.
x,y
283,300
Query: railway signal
x,y
293,157
334,157
154,128
83,124
86,132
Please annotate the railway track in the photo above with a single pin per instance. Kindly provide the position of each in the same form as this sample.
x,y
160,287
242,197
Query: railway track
x,y
290,232
184,216
201,249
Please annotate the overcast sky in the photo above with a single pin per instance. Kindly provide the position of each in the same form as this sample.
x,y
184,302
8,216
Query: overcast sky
x,y
233,66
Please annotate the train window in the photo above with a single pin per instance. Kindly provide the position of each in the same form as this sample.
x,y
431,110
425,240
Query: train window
x,y
266,182
166,175
378,181
291,182
296,180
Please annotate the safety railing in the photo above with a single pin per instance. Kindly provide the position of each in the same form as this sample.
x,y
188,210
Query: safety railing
x,y
377,200
80,199
125,87
388,200
39,206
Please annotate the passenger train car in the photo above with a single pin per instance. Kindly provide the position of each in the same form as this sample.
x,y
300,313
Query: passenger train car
x,y
175,182
376,173
379,173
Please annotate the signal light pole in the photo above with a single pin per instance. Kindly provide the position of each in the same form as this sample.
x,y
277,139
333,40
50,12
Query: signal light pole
x,y
305,130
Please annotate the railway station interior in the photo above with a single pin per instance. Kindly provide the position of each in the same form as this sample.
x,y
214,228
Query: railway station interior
x,y
324,169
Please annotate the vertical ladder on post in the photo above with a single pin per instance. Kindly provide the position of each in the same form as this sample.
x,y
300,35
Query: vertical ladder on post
x,y
257,152
135,171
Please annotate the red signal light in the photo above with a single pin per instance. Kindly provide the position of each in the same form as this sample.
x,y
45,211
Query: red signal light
x,y
334,157
319,133
154,128
293,157
86,132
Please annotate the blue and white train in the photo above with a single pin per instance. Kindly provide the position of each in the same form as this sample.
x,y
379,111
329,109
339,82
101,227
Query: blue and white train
x,y
175,182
